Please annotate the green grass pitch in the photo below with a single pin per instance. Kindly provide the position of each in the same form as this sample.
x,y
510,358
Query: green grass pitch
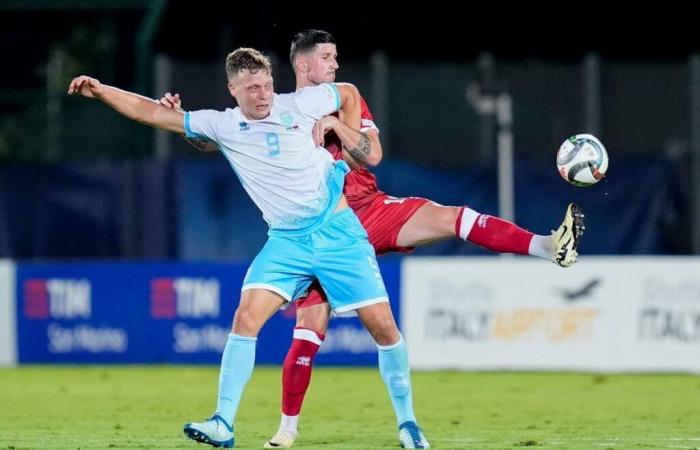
x,y
73,407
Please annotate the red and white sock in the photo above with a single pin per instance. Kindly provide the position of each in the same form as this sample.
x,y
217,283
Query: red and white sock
x,y
296,374
500,235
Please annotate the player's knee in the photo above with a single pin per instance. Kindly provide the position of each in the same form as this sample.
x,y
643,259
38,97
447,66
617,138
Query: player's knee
x,y
444,219
313,318
317,326
385,332
246,322
449,216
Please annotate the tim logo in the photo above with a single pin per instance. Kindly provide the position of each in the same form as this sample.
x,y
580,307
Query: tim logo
x,y
57,298
184,298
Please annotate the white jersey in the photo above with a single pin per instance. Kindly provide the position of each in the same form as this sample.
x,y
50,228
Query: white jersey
x,y
288,177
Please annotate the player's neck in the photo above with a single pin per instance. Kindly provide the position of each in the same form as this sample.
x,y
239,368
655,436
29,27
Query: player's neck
x,y
301,83
251,118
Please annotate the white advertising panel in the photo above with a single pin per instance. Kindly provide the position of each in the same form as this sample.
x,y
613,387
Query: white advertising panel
x,y
602,314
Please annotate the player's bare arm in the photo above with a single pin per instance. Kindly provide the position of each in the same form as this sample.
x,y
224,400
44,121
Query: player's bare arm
x,y
361,151
355,152
355,143
357,146
131,105
375,151
173,101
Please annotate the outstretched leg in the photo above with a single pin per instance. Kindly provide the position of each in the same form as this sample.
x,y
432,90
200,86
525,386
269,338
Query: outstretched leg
x,y
432,223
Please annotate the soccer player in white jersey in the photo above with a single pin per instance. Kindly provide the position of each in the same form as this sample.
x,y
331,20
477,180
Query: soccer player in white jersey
x,y
298,186
392,224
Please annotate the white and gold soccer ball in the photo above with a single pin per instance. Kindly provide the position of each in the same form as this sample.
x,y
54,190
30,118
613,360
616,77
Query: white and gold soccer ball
x,y
582,160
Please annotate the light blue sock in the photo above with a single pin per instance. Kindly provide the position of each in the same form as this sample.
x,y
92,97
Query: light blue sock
x,y
236,367
393,365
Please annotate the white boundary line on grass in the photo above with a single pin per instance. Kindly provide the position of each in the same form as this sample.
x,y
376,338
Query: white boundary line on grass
x,y
601,442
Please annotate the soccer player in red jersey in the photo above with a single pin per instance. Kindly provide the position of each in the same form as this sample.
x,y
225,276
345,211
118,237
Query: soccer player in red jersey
x,y
393,225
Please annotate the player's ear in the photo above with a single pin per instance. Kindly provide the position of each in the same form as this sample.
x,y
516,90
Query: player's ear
x,y
232,88
300,64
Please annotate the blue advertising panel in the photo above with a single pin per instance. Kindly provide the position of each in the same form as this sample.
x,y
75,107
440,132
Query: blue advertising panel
x,y
158,312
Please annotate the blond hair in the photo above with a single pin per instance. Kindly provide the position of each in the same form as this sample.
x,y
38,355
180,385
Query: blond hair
x,y
246,59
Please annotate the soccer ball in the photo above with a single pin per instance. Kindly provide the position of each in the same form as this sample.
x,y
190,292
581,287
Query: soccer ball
x,y
582,160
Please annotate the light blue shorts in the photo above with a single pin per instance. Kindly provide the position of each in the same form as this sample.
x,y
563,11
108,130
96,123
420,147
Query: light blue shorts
x,y
338,254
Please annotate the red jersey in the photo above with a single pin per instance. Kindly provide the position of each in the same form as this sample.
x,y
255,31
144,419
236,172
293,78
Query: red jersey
x,y
360,185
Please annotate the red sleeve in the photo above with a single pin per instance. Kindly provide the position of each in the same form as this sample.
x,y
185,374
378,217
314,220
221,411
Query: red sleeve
x,y
365,112
367,120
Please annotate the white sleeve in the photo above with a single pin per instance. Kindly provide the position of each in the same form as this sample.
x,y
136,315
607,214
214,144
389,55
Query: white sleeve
x,y
203,124
368,124
318,101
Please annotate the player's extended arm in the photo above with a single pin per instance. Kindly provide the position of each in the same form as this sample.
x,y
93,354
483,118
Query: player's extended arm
x,y
173,101
358,147
133,106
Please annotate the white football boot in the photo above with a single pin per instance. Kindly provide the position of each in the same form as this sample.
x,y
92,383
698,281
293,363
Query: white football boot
x,y
565,240
282,439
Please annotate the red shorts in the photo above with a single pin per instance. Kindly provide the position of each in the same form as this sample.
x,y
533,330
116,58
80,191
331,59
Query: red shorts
x,y
383,219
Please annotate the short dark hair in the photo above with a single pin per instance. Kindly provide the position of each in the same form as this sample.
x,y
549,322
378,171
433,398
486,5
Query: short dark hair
x,y
304,41
246,59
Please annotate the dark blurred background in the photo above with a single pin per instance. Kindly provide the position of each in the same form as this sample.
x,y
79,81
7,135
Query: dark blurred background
x,y
78,181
